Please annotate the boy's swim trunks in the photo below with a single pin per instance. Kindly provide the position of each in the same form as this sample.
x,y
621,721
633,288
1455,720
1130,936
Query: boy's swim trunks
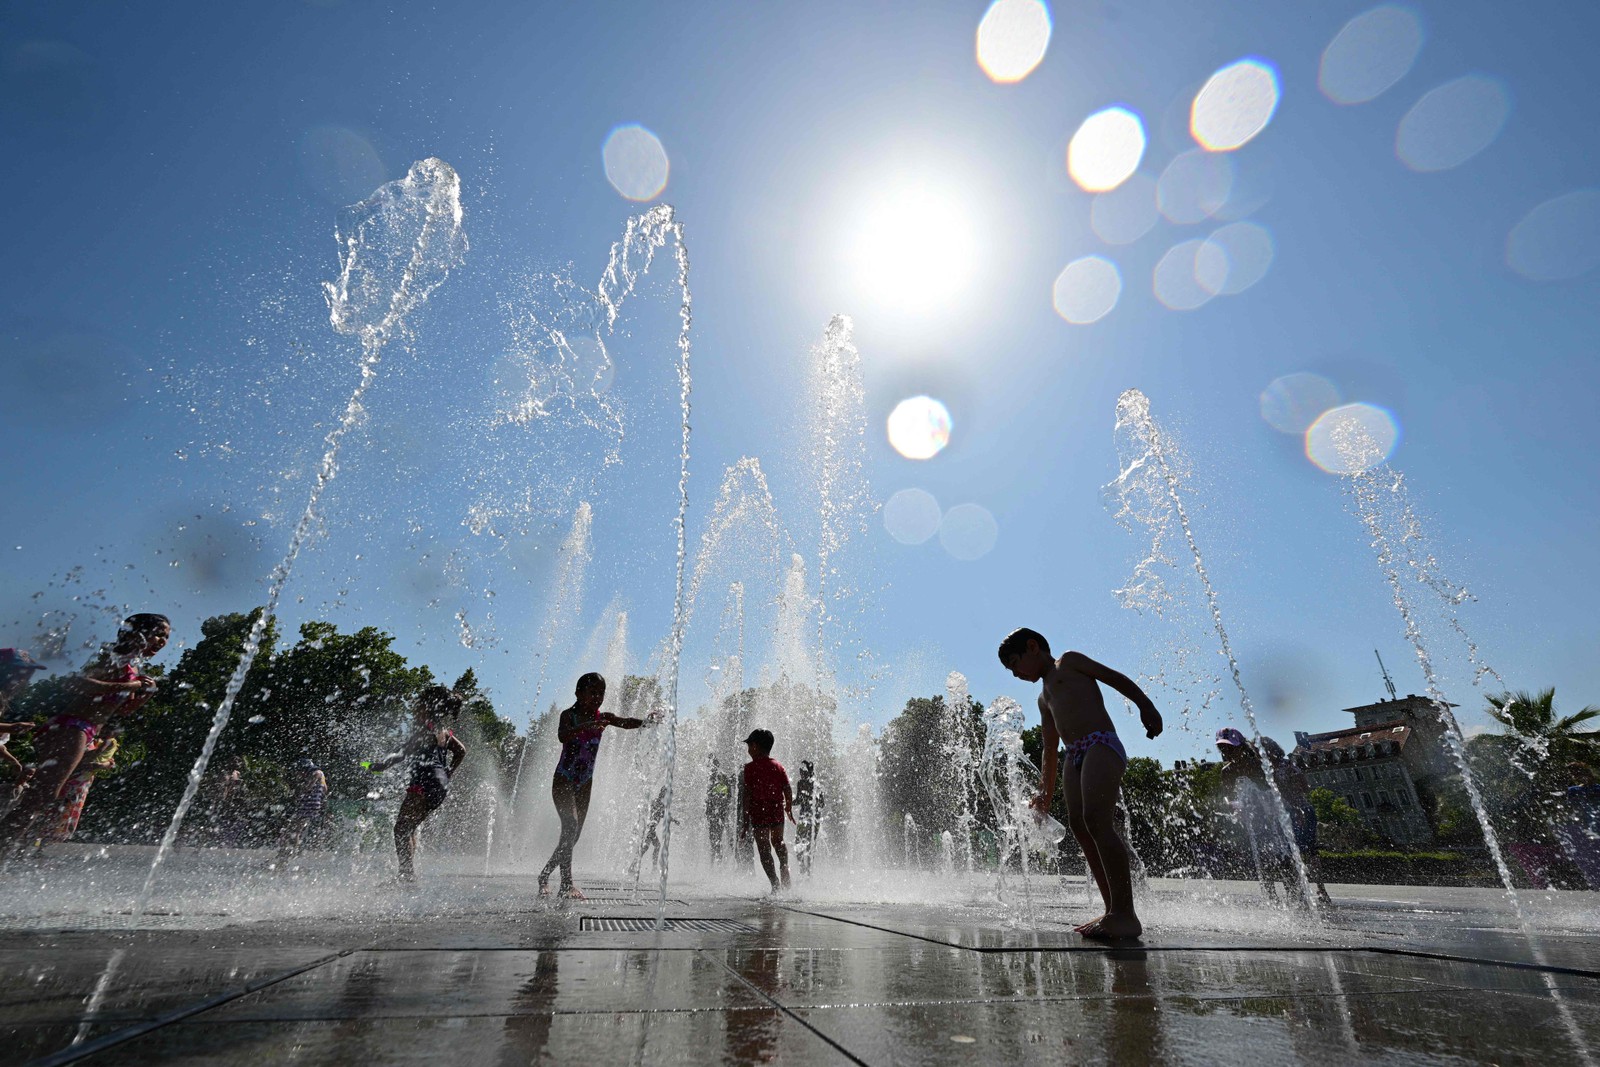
x,y
1077,750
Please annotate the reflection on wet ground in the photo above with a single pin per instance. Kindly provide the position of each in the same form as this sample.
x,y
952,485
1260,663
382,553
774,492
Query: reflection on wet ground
x,y
477,971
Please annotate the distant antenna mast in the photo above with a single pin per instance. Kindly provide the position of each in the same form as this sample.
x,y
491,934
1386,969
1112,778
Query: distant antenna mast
x,y
1388,682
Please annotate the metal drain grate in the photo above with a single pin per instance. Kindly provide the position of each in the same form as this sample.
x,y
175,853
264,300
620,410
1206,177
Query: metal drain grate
x,y
641,926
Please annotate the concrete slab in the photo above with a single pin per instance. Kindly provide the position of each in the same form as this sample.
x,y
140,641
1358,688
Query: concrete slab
x,y
477,969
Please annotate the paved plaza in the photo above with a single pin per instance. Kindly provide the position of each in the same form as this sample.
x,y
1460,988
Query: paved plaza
x,y
335,967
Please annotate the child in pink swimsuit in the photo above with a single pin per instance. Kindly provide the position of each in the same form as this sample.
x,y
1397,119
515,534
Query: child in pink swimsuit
x,y
578,730
114,686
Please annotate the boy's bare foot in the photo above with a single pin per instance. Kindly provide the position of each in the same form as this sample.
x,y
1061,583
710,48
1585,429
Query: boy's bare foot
x,y
1082,927
1115,928
572,892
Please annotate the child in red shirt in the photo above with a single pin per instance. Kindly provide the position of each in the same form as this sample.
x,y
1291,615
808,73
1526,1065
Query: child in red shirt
x,y
765,798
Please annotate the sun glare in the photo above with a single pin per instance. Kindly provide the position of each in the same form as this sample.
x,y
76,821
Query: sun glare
x,y
915,249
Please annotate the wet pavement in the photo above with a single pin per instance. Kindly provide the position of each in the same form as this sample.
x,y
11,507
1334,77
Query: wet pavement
x,y
335,968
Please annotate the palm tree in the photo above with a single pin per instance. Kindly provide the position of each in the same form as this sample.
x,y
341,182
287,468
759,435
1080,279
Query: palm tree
x,y
1555,743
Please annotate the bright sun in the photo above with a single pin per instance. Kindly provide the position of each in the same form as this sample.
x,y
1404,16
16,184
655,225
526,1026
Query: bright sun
x,y
915,249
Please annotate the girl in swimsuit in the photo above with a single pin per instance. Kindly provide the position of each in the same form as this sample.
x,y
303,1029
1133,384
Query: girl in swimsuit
x,y
435,752
579,730
113,686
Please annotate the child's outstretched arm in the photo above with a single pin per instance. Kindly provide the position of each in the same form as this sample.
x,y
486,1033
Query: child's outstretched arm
x,y
1047,771
788,800
1148,715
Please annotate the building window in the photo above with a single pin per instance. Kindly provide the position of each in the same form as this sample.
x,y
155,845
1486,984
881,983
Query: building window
x,y
1383,798
1405,801
1361,774
1366,801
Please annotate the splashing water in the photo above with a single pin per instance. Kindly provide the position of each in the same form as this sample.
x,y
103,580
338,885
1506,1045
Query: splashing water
x,y
838,427
865,840
398,246
1378,495
1003,771
1357,449
1148,486
743,508
958,750
791,649
488,840
644,236
566,601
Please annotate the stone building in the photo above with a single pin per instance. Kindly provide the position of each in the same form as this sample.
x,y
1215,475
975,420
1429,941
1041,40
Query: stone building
x,y
1388,766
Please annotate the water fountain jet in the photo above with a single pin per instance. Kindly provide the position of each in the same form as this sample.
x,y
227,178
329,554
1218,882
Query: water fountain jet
x,y
1148,487
398,247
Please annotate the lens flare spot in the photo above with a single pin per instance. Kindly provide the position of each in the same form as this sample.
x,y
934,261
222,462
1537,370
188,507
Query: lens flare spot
x,y
1254,181
1127,213
636,163
1087,290
1234,258
1177,276
341,165
919,427
1194,187
1290,404
968,531
1374,51
1012,38
1352,438
912,516
1234,105
1558,239
1106,150
1452,123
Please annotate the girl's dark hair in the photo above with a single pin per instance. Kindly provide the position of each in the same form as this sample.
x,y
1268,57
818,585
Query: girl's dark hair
x,y
134,625
588,682
441,700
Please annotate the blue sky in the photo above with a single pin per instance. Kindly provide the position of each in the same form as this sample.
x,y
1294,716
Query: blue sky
x,y
170,371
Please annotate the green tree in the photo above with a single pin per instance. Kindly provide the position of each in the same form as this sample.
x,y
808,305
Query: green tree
x,y
338,698
485,729
913,765
1339,824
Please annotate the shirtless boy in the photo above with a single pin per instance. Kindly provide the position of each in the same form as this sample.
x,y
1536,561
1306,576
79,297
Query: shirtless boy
x,y
1071,710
